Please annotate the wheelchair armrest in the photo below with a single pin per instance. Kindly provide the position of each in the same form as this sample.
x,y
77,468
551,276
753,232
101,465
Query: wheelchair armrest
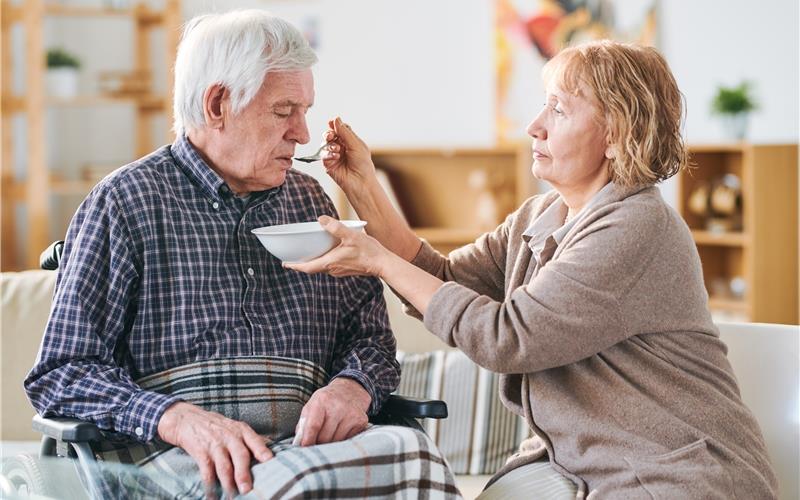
x,y
70,430
401,406
51,257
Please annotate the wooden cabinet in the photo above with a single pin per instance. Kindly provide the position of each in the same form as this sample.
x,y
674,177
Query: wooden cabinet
x,y
30,194
452,196
750,257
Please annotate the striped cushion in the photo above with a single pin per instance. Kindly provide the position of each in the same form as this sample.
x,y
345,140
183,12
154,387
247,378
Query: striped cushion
x,y
480,433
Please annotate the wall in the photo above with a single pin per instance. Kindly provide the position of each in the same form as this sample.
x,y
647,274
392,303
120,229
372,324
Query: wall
x,y
421,73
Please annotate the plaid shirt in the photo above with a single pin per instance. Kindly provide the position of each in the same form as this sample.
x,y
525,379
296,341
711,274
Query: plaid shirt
x,y
160,269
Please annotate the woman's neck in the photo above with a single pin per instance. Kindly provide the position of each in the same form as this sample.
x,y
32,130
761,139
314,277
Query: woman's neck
x,y
576,197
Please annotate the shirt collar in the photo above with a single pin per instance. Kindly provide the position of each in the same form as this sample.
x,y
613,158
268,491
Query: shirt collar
x,y
551,221
547,222
189,160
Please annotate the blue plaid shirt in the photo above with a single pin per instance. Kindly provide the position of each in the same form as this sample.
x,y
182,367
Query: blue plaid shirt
x,y
160,270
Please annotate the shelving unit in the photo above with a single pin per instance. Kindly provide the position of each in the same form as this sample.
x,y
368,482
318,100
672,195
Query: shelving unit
x,y
763,253
34,190
433,190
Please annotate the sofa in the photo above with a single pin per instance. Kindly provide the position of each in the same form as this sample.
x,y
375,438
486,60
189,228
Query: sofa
x,y
479,432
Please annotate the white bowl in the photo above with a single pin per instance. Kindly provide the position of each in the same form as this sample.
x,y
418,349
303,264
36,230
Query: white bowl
x,y
300,242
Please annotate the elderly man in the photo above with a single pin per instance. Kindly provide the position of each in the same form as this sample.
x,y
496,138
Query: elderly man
x,y
172,326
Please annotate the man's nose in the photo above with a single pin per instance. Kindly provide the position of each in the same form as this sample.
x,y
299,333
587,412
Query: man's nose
x,y
298,129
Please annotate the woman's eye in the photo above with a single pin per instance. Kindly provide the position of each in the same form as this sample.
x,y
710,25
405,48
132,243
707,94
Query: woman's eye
x,y
557,110
281,115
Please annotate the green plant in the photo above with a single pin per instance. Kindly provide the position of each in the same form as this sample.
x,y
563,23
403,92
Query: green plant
x,y
733,100
60,58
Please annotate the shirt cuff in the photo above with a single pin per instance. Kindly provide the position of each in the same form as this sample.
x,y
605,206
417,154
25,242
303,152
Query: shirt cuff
x,y
139,419
368,386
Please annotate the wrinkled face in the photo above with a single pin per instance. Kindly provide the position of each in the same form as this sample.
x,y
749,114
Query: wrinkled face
x,y
569,141
259,142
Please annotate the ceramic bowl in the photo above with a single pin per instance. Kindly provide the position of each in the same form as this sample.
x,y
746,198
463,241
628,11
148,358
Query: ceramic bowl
x,y
300,242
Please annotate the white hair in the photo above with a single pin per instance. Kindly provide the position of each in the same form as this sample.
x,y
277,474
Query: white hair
x,y
236,50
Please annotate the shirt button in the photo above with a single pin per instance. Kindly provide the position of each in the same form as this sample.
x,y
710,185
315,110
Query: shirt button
x,y
139,431
215,205
250,271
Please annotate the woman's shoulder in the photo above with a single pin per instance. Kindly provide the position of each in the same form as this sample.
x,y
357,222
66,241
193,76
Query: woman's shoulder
x,y
642,212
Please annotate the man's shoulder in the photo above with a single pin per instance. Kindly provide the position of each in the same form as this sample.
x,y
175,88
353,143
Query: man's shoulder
x,y
147,174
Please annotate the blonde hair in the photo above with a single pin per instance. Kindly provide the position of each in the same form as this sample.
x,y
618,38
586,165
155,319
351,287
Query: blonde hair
x,y
639,102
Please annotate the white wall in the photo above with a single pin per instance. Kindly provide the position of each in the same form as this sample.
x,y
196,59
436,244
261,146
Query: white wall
x,y
421,72
715,42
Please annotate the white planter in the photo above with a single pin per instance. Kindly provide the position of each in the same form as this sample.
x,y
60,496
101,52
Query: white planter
x,y
62,82
735,126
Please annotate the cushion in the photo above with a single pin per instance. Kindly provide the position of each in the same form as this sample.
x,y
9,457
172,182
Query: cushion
x,y
480,433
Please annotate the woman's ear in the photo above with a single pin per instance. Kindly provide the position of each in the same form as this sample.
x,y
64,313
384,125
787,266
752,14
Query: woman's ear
x,y
611,151
215,102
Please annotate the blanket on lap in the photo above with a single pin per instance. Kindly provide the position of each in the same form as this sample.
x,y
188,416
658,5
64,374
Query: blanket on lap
x,y
268,393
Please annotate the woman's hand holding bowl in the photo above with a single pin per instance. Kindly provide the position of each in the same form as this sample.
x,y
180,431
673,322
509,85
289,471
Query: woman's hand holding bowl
x,y
357,254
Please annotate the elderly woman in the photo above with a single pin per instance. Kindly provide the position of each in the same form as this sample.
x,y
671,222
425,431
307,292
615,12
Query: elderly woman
x,y
589,299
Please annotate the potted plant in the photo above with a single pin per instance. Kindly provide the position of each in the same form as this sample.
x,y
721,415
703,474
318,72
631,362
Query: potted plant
x,y
733,105
62,73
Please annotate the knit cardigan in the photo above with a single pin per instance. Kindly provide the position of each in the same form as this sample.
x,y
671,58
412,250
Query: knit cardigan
x,y
606,347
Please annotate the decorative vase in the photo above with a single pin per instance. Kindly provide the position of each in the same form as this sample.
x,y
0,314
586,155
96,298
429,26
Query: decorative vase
x,y
62,82
735,125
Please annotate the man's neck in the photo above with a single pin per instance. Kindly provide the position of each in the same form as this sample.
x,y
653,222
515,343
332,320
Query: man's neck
x,y
199,139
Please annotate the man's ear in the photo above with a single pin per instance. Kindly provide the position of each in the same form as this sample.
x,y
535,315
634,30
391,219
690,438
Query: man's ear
x,y
215,103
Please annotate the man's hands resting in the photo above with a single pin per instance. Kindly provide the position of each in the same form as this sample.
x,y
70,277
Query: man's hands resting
x,y
336,412
222,447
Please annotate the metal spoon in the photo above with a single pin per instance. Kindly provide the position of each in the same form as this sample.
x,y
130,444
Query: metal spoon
x,y
316,156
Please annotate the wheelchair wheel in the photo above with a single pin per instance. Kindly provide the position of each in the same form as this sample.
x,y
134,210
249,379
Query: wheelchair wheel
x,y
26,476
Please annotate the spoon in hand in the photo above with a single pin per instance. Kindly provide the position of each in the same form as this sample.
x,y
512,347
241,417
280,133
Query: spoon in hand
x,y
316,156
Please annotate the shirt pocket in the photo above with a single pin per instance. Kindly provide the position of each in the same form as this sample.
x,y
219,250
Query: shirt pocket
x,y
690,472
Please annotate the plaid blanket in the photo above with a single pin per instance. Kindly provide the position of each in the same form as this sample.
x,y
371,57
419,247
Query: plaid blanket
x,y
268,393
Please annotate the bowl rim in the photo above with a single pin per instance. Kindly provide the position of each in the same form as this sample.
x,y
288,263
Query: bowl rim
x,y
275,230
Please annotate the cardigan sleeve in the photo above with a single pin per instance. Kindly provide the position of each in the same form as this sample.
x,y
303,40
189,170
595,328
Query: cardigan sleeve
x,y
479,266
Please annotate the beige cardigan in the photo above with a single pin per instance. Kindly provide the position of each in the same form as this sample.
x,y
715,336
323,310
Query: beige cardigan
x,y
608,350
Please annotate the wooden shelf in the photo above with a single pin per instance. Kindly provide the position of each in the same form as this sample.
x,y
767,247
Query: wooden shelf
x,y
61,10
728,305
143,101
16,104
730,239
36,191
728,147
436,192
442,236
764,253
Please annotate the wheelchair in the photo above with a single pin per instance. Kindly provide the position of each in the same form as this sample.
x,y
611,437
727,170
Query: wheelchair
x,y
76,441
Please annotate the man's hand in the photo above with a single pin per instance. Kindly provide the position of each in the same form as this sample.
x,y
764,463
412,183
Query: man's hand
x,y
336,412
222,447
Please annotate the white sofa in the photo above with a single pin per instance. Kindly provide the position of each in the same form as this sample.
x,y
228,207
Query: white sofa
x,y
765,359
